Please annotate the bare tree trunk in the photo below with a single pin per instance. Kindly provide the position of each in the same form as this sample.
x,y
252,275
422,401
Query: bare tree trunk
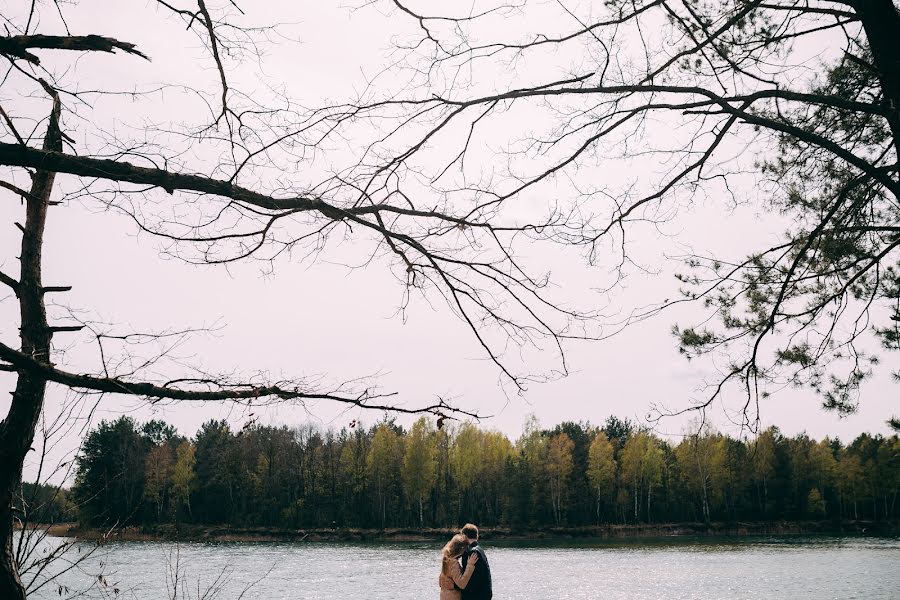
x,y
703,482
17,429
559,503
382,504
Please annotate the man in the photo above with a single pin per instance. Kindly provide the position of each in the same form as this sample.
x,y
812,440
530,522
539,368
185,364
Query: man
x,y
479,587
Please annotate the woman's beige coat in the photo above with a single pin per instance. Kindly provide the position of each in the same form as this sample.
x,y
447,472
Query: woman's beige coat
x,y
459,578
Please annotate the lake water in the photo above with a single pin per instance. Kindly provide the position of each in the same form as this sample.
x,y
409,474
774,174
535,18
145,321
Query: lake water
x,y
689,568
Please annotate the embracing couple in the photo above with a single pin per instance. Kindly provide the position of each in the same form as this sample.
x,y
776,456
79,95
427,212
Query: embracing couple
x,y
465,573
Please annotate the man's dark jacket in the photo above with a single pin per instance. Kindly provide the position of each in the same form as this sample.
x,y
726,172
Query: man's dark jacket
x,y
479,587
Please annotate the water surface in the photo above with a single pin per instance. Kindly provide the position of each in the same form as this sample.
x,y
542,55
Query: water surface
x,y
796,567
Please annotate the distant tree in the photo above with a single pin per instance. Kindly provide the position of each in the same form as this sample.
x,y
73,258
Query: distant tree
x,y
762,457
823,469
309,465
559,470
641,465
617,430
631,464
384,461
850,484
580,505
874,454
737,487
601,470
799,463
496,456
184,477
158,432
466,465
702,459
331,463
109,482
158,476
281,477
420,464
214,445
51,503
444,488
532,450
653,471
354,474
815,504
893,468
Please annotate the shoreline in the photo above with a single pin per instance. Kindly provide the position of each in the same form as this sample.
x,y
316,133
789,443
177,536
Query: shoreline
x,y
212,533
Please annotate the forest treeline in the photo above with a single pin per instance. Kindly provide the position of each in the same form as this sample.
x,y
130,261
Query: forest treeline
x,y
575,474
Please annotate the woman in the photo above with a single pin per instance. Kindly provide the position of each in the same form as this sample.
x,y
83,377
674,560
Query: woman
x,y
450,569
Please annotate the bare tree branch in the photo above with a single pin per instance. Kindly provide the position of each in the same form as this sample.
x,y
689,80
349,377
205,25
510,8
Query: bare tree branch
x,y
18,45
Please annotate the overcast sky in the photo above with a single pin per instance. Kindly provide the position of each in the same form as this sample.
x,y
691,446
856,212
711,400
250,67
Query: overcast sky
x,y
321,318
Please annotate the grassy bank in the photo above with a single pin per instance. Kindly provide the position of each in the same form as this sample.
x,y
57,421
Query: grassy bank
x,y
341,534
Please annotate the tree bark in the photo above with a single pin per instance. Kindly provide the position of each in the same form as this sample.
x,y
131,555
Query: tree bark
x,y
636,500
17,429
881,22
18,45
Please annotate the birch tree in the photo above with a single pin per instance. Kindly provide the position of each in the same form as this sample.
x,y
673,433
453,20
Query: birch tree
x,y
420,464
601,469
559,469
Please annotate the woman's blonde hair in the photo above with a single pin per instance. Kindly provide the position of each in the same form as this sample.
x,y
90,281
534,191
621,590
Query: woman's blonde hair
x,y
453,550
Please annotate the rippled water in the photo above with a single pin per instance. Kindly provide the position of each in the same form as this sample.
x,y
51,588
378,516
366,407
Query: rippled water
x,y
750,568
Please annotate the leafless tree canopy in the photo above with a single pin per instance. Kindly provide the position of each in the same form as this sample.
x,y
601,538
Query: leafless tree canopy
x,y
247,181
627,112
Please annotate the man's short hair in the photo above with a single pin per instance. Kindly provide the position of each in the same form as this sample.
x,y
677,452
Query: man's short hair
x,y
470,531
